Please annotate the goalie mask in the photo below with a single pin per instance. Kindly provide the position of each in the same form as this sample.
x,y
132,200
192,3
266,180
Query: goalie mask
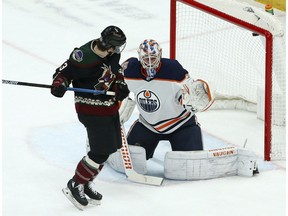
x,y
113,37
150,54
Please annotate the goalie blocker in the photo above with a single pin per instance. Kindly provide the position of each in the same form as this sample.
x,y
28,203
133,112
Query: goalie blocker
x,y
194,165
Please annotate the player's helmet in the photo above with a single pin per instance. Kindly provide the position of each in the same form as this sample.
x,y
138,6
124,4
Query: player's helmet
x,y
150,54
112,36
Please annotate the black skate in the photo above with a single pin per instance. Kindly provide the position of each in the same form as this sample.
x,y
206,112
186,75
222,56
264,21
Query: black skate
x,y
89,190
75,193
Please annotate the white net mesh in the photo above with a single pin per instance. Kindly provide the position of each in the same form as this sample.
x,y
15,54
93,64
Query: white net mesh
x,y
233,60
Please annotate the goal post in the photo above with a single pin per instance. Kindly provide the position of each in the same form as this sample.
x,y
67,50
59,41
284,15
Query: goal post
x,y
241,49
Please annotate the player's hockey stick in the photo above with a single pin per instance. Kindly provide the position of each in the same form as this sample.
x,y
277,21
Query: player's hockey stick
x,y
97,92
128,166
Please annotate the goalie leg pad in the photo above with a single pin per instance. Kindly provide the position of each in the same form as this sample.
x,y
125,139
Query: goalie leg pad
x,y
138,157
246,163
87,145
196,165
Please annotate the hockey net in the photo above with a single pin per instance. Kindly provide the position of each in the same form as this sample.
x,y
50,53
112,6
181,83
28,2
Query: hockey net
x,y
241,49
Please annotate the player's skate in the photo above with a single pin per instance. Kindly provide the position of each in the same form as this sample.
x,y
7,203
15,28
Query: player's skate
x,y
90,191
75,193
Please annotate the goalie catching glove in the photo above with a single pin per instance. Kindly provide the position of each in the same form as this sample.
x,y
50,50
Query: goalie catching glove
x,y
196,95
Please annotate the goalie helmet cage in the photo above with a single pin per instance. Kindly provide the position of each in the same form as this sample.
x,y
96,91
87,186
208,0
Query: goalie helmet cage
x,y
241,49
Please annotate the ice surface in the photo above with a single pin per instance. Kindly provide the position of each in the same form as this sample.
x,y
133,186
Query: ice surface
x,y
43,140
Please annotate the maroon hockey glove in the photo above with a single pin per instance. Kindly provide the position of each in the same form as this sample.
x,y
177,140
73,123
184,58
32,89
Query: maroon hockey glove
x,y
121,90
59,86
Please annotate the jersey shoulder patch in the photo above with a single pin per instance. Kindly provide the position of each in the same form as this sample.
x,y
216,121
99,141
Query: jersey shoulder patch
x,y
172,70
132,68
84,56
77,55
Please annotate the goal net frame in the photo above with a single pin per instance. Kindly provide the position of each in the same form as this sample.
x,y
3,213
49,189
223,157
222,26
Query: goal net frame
x,y
200,5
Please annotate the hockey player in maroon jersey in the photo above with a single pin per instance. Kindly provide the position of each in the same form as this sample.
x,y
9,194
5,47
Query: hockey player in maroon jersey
x,y
95,65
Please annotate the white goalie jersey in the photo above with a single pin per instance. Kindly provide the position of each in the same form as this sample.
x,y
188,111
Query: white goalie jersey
x,y
157,100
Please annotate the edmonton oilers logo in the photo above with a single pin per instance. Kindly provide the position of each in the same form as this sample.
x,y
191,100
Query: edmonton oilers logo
x,y
148,101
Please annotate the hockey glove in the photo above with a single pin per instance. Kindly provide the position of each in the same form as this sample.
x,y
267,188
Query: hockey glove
x,y
59,85
121,90
126,109
196,95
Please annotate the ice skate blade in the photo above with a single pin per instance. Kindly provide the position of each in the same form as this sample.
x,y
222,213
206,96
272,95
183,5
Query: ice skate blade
x,y
69,196
94,202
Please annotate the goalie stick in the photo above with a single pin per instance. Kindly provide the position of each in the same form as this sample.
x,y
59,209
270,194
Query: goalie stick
x,y
131,174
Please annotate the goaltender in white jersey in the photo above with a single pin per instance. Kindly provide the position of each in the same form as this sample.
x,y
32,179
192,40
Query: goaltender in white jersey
x,y
157,86
167,100
158,99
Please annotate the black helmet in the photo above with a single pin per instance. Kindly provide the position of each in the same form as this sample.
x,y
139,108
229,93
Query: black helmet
x,y
112,36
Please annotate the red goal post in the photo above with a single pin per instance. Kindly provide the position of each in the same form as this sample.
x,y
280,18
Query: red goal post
x,y
242,49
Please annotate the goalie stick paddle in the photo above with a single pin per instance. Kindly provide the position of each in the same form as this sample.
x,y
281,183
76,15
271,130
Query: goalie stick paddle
x,y
131,174
92,91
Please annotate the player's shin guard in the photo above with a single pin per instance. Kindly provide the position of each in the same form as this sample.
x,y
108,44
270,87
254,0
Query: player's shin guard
x,y
87,170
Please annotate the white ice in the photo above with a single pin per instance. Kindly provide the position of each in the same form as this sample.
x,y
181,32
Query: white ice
x,y
43,140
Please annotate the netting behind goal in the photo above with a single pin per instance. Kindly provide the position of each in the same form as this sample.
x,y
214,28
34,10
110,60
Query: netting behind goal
x,y
241,50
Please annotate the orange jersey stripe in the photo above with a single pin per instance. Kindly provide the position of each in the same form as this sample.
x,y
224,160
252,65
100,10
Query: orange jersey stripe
x,y
171,122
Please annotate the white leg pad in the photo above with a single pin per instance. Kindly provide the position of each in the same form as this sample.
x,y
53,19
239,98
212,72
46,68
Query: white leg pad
x,y
87,145
196,165
138,157
246,163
